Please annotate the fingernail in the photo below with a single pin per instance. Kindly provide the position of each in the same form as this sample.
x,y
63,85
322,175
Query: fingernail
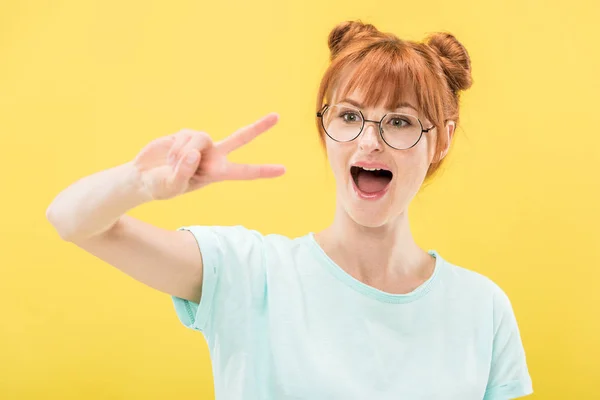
x,y
192,157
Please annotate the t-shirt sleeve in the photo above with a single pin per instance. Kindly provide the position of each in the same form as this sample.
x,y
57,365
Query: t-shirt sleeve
x,y
233,279
509,376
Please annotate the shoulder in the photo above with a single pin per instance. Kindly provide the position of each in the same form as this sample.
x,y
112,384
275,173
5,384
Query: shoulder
x,y
271,242
464,280
240,237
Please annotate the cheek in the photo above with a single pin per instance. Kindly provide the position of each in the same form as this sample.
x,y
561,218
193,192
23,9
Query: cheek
x,y
338,157
412,168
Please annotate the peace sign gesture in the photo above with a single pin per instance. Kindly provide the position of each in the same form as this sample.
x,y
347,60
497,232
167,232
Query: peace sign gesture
x,y
188,160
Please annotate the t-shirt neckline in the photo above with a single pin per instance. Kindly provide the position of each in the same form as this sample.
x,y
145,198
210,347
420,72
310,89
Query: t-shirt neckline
x,y
370,291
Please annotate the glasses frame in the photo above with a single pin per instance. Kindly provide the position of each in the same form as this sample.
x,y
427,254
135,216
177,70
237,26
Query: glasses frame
x,y
378,123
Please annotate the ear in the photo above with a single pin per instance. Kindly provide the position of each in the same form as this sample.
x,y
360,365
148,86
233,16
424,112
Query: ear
x,y
449,132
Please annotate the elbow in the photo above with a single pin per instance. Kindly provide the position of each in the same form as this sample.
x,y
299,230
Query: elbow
x,y
50,214
55,221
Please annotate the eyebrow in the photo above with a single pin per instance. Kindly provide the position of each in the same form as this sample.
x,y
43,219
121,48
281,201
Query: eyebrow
x,y
401,105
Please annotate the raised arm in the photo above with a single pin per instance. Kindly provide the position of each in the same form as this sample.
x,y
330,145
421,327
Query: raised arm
x,y
91,212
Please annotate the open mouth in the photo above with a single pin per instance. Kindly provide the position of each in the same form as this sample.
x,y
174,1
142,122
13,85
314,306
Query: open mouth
x,y
371,181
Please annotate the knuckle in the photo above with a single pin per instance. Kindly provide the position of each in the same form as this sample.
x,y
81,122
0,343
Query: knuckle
x,y
201,139
200,135
189,138
183,135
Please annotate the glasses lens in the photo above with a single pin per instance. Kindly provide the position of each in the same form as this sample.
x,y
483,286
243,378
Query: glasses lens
x,y
342,123
401,131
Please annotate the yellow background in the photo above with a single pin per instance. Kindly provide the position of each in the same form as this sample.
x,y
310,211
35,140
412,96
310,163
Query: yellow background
x,y
84,85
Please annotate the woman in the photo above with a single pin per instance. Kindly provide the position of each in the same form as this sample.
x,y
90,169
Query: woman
x,y
357,311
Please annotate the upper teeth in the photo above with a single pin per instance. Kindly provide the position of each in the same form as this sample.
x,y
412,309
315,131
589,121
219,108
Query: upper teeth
x,y
371,169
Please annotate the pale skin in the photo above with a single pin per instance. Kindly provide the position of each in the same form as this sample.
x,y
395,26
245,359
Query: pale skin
x,y
91,212
371,242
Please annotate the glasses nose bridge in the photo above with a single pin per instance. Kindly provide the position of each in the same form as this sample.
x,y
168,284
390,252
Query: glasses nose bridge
x,y
365,139
377,126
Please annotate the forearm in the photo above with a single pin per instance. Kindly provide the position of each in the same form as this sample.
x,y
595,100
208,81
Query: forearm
x,y
93,204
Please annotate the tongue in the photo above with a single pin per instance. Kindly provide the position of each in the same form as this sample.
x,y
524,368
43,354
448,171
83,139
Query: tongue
x,y
370,182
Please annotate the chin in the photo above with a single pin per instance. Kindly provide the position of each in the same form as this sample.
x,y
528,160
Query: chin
x,y
368,213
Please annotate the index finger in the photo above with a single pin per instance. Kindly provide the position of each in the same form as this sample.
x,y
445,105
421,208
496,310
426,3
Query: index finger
x,y
246,134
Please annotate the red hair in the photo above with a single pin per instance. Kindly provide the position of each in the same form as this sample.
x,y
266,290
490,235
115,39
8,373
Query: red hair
x,y
384,67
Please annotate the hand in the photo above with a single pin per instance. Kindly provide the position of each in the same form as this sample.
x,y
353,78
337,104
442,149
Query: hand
x,y
188,160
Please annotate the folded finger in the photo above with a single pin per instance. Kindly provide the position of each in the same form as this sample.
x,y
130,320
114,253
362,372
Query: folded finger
x,y
175,151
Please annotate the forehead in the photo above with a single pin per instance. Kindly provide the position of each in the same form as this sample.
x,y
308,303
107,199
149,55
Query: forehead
x,y
375,87
358,98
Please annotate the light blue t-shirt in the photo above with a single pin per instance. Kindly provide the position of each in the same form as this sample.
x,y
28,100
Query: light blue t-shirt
x,y
283,321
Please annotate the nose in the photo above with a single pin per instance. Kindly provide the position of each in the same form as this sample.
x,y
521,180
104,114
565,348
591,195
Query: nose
x,y
369,139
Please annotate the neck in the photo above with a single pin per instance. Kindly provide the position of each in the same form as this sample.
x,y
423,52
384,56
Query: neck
x,y
386,257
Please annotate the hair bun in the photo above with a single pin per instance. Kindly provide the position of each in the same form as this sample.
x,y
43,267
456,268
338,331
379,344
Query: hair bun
x,y
455,60
343,33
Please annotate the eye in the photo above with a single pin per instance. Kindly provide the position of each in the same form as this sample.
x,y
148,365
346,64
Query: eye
x,y
349,116
398,122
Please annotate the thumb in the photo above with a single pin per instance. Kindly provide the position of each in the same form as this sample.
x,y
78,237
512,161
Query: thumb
x,y
185,168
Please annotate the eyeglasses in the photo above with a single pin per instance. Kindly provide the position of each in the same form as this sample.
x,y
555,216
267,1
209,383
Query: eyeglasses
x,y
344,123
